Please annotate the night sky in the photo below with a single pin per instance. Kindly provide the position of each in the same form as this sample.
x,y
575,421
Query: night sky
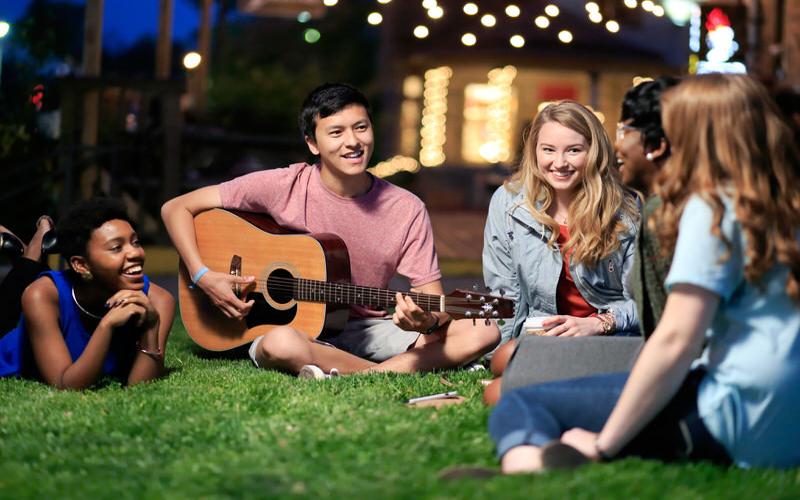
x,y
125,21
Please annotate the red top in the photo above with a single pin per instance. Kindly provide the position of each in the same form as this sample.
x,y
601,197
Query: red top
x,y
568,299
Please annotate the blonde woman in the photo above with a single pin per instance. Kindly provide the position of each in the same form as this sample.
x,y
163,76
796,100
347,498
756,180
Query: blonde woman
x,y
560,234
731,215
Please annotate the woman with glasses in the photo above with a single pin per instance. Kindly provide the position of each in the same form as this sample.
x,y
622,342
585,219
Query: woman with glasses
x,y
642,149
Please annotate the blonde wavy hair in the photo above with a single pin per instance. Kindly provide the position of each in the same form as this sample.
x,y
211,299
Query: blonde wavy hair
x,y
727,137
597,213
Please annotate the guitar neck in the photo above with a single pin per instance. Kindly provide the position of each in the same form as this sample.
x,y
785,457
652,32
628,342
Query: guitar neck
x,y
344,293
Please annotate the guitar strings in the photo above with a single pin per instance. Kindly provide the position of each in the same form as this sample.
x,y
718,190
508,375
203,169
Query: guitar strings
x,y
307,287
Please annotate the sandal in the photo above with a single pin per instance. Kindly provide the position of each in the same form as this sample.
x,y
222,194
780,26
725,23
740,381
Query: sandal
x,y
11,245
50,238
559,456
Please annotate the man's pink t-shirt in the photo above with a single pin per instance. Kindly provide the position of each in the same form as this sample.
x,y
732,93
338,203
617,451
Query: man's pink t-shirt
x,y
386,230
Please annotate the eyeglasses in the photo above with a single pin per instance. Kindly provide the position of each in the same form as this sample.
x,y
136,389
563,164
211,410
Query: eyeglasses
x,y
623,129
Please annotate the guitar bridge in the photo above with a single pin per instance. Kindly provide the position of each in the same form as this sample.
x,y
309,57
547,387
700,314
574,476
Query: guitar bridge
x,y
236,270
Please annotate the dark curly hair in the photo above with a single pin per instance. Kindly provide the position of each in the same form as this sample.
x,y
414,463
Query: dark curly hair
x,y
642,106
326,100
75,229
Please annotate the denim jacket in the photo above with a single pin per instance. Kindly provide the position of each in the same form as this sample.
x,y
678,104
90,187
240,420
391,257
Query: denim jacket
x,y
518,262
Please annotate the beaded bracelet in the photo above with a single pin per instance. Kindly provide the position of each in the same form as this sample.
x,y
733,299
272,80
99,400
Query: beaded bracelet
x,y
433,327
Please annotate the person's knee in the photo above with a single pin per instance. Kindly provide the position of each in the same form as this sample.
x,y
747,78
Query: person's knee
x,y
283,347
501,357
483,337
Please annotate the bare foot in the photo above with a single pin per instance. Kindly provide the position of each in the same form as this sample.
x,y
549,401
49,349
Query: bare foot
x,y
34,249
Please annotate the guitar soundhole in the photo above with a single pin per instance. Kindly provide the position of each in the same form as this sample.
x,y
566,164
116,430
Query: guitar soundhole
x,y
279,286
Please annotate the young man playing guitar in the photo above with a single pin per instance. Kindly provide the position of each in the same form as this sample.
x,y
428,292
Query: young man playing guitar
x,y
385,228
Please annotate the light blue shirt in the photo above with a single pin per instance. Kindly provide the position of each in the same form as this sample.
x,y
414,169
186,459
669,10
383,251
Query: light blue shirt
x,y
750,398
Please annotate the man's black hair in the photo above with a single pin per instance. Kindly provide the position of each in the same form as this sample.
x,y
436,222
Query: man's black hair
x,y
642,105
75,229
325,100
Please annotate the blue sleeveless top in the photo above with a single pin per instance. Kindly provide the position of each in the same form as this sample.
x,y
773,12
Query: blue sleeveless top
x,y
16,355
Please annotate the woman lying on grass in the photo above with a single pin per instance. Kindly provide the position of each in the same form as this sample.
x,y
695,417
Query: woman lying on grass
x,y
731,212
100,317
560,235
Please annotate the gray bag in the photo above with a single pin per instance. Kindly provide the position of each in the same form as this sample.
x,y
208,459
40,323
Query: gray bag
x,y
546,359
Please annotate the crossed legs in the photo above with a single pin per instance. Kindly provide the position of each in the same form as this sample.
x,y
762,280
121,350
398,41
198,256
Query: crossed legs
x,y
457,343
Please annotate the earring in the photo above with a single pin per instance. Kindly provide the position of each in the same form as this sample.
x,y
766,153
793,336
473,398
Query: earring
x,y
650,156
87,276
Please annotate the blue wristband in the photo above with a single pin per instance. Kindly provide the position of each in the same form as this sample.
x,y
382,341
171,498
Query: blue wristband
x,y
199,274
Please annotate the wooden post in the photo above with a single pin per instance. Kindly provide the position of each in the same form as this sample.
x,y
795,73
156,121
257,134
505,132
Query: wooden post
x,y
164,44
92,52
172,121
204,48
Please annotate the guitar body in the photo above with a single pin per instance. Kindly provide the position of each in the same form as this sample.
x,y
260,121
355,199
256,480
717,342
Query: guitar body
x,y
272,255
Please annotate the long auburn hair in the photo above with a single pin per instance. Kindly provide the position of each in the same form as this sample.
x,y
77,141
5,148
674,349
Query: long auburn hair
x,y
597,213
728,138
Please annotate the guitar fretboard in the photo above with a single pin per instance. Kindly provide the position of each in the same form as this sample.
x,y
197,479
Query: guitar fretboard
x,y
344,293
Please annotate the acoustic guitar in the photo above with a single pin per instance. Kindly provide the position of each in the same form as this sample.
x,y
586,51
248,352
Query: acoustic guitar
x,y
302,280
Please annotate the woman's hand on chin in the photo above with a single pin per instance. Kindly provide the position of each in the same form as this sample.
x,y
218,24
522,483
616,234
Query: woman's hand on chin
x,y
127,304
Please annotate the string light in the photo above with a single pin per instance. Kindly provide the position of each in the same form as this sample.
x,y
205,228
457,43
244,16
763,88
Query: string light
x,y
541,22
551,10
421,31
489,117
395,165
434,112
435,12
512,11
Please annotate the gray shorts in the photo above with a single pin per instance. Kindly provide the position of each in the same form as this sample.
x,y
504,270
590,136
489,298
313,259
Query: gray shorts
x,y
375,339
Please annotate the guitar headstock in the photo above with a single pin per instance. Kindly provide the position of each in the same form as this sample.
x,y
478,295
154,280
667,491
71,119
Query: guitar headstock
x,y
464,304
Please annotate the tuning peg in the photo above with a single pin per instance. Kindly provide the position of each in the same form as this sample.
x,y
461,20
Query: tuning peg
x,y
483,299
495,302
468,297
468,314
495,314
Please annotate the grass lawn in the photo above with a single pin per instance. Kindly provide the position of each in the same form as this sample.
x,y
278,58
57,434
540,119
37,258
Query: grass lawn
x,y
219,428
